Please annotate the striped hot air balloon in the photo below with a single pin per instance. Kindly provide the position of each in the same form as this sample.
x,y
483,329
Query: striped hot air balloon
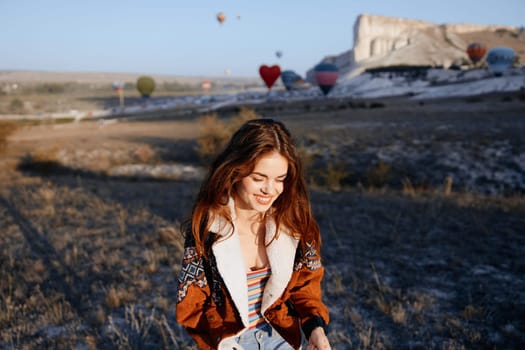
x,y
326,75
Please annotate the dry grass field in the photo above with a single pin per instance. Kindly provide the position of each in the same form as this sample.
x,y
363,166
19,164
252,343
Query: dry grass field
x,y
421,207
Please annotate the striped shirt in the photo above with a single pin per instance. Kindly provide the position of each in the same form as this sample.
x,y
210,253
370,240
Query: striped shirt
x,y
256,281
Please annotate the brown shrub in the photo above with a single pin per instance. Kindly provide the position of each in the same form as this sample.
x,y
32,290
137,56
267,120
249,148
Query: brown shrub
x,y
378,175
16,106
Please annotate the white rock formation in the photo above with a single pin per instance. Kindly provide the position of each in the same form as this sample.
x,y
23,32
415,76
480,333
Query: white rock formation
x,y
376,36
381,41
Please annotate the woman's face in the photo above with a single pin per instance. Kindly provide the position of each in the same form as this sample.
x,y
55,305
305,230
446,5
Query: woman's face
x,y
261,188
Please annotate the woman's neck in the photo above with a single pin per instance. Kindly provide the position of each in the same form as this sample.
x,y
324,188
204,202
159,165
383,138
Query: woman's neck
x,y
248,215
249,220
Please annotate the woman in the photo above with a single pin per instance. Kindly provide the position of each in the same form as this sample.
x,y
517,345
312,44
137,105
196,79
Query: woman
x,y
251,272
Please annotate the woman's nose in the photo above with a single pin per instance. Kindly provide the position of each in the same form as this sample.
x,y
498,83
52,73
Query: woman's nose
x,y
267,187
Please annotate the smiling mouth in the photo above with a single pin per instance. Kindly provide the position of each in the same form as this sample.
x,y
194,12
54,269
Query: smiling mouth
x,y
264,200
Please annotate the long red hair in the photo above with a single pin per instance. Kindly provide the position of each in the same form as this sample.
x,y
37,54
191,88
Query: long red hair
x,y
252,140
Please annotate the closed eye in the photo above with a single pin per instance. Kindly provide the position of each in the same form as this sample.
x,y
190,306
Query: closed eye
x,y
260,177
282,178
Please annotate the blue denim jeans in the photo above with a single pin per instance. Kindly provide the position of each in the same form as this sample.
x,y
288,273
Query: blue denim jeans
x,y
262,338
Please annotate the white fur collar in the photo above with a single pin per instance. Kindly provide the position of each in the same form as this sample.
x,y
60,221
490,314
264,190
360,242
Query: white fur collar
x,y
230,261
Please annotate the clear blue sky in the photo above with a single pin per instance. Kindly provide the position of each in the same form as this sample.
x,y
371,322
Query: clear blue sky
x,y
177,37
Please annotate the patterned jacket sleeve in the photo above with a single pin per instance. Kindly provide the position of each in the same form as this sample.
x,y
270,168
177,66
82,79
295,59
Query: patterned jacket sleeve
x,y
306,293
193,294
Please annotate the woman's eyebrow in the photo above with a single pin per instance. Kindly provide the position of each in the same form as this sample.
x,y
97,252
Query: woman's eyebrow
x,y
264,175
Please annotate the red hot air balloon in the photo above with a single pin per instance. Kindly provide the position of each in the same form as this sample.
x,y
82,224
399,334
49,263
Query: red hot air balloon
x,y
326,76
269,74
476,51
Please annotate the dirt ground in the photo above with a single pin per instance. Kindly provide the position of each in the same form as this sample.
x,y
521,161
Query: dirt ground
x,y
90,261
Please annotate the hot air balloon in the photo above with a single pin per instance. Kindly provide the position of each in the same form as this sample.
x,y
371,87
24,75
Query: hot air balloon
x,y
476,52
118,86
269,74
499,59
326,76
145,86
279,54
291,80
206,86
221,17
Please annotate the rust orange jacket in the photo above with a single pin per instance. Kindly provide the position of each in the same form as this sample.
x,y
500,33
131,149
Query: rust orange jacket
x,y
212,300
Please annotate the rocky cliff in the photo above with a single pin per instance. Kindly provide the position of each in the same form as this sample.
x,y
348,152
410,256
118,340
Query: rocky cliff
x,y
381,41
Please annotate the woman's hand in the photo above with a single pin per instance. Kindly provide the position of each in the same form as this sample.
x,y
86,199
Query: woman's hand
x,y
318,340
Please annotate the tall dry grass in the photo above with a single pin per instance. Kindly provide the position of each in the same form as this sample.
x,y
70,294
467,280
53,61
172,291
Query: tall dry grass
x,y
215,132
6,129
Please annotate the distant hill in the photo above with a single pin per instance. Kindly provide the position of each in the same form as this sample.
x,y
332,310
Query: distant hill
x,y
109,77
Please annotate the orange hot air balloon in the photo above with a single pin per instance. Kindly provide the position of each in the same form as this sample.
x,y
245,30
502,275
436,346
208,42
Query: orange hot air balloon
x,y
221,17
476,52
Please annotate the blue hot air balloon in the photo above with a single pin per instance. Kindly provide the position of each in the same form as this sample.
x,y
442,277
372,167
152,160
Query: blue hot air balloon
x,y
326,76
499,59
291,80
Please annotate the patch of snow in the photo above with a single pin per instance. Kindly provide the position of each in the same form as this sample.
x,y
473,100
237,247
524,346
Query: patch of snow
x,y
162,171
